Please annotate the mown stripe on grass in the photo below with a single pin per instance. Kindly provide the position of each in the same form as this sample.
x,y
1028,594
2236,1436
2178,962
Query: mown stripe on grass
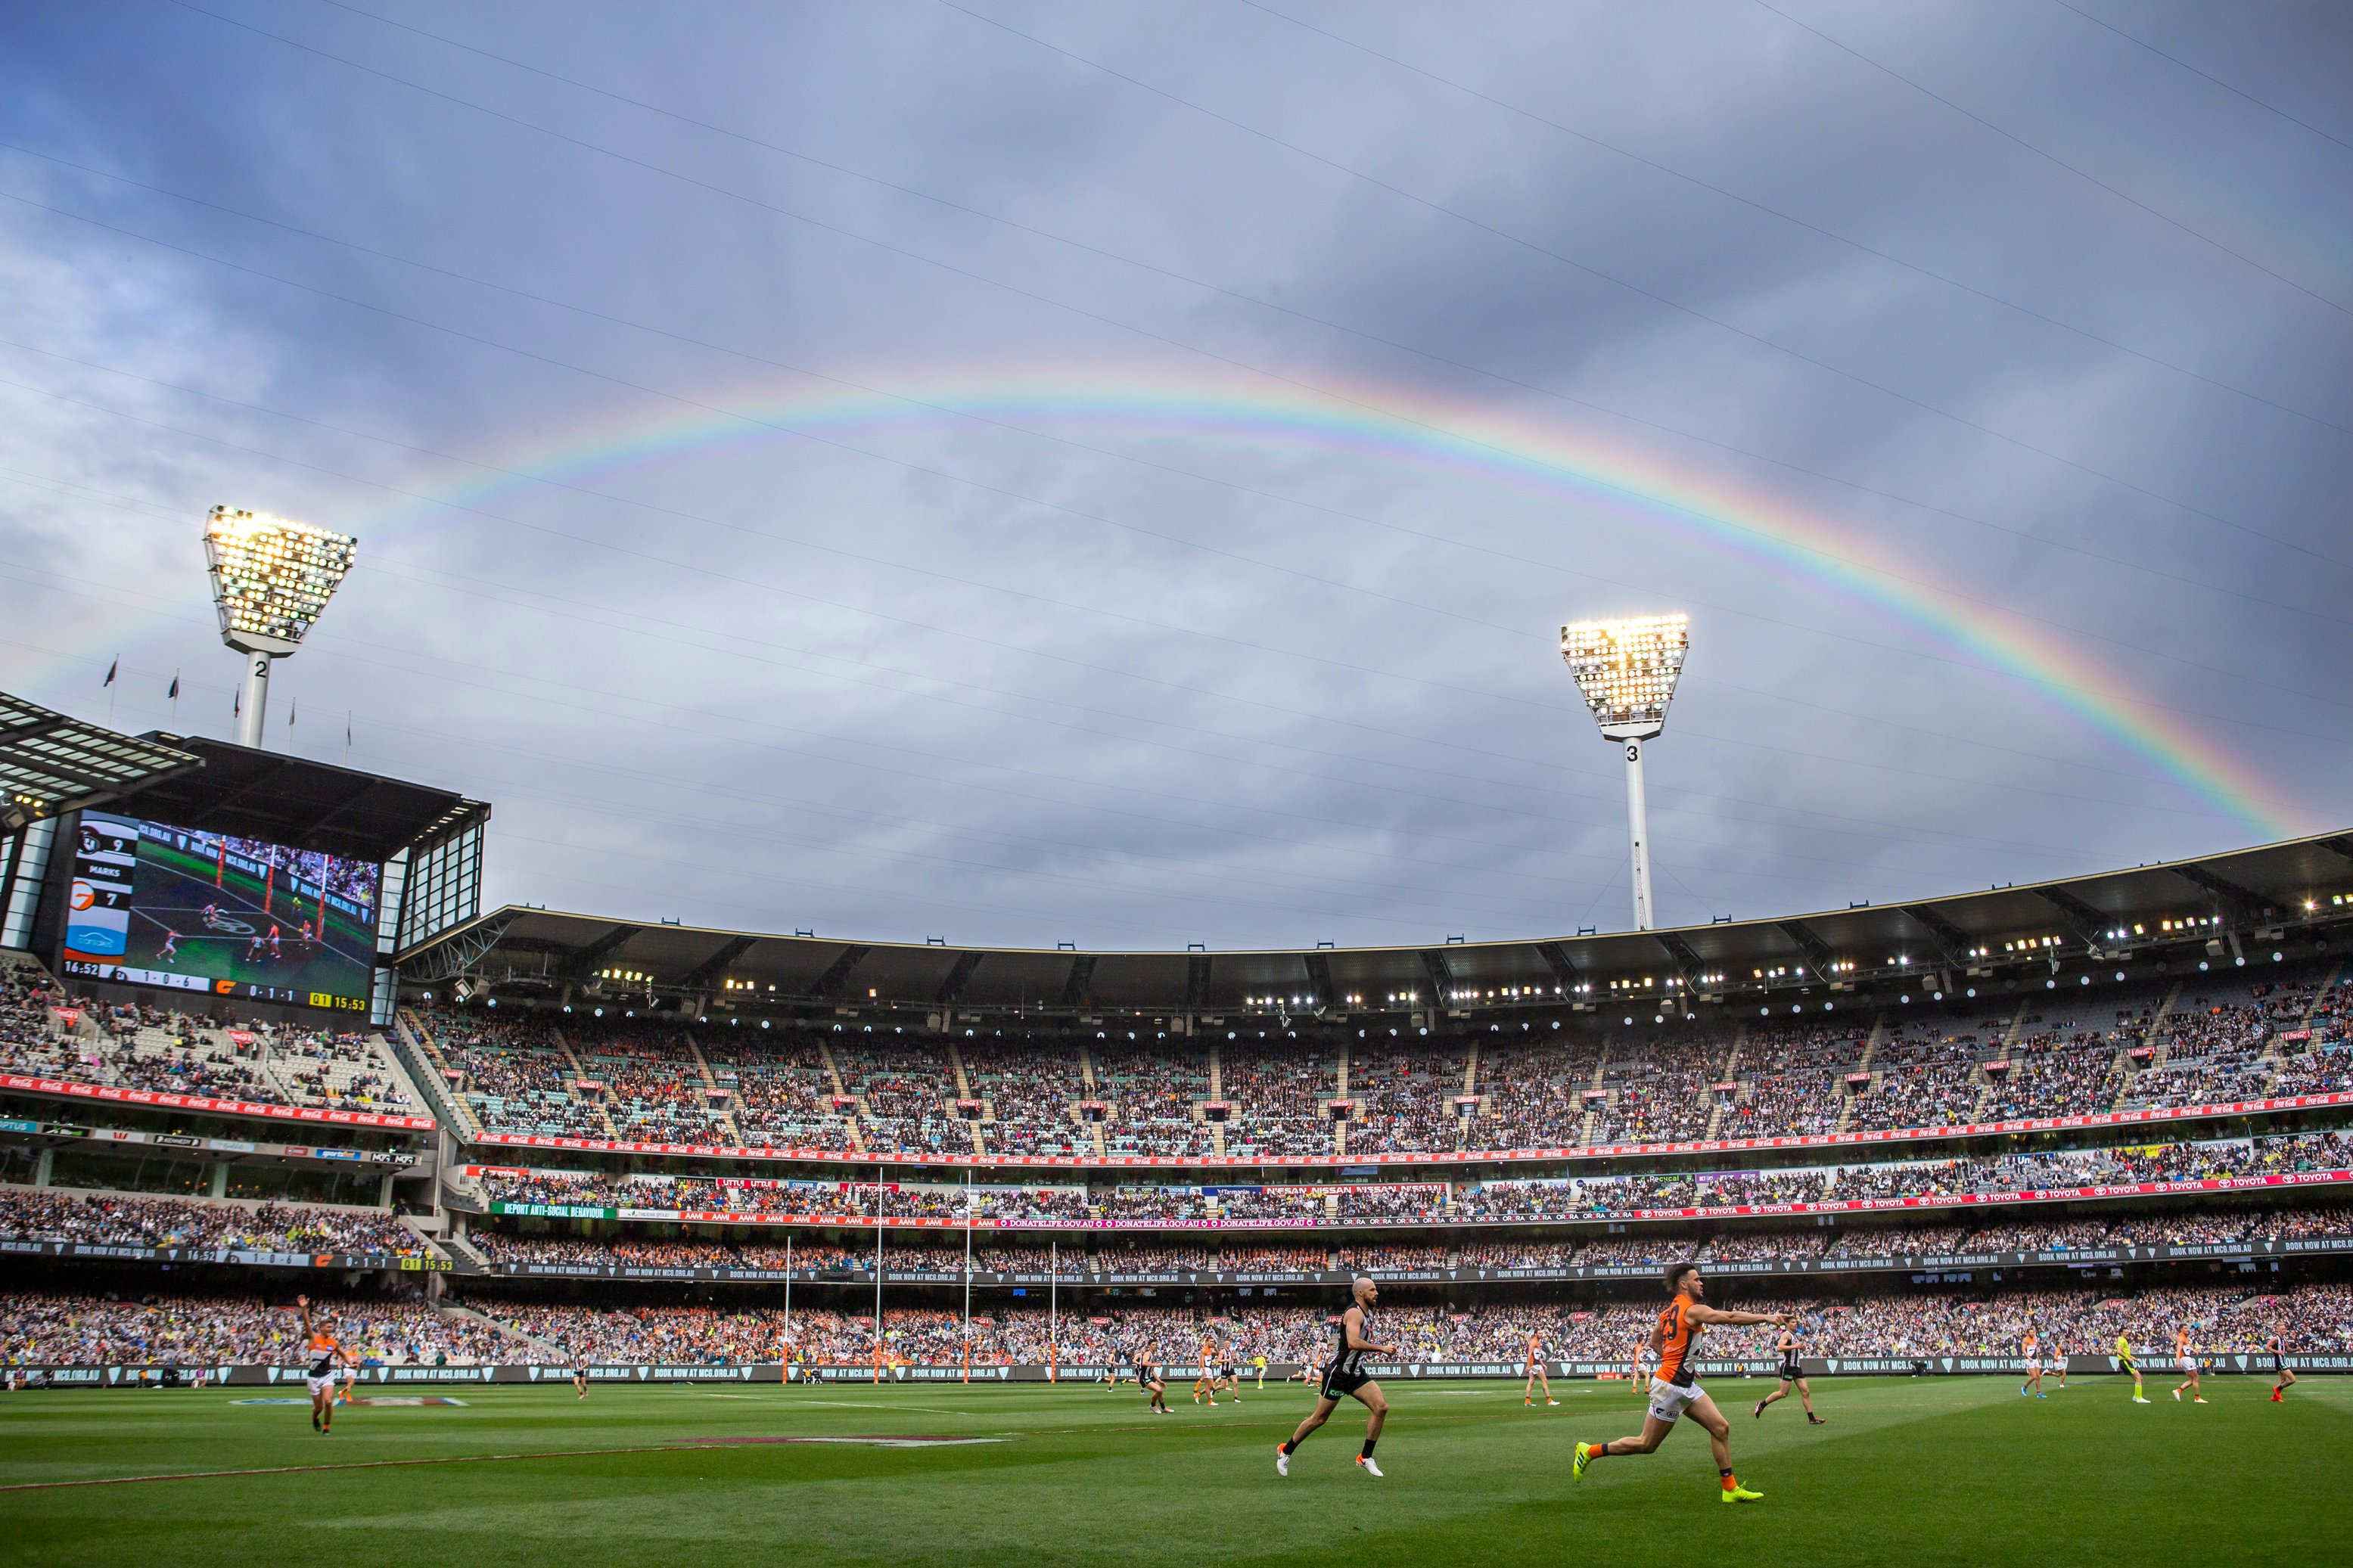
x,y
683,1446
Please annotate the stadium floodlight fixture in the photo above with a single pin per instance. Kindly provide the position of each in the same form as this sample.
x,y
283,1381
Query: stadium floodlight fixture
x,y
271,578
1627,670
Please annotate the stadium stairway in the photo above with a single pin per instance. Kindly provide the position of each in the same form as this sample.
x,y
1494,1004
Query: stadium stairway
x,y
412,1040
833,1076
722,1112
1087,1077
571,1086
467,1258
964,1093
435,1245
281,1067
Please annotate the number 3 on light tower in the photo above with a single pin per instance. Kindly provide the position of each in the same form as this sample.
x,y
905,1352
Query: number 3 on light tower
x,y
1634,750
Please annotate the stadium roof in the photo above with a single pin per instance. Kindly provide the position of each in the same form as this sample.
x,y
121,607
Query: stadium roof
x,y
50,764
2122,917
295,802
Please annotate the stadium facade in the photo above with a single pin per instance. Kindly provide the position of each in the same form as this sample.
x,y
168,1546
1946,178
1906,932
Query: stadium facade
x,y
256,1029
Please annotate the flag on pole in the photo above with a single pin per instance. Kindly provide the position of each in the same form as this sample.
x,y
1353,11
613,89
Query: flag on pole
x,y
110,675
289,712
236,706
175,694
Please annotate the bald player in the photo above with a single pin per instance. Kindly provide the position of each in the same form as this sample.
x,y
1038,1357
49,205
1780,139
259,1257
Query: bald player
x,y
1348,1376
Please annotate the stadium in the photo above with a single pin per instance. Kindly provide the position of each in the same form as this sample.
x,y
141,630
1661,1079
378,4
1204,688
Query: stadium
x,y
2100,1113
344,1187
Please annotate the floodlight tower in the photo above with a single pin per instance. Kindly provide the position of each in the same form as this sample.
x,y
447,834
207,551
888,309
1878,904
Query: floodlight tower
x,y
270,579
1627,670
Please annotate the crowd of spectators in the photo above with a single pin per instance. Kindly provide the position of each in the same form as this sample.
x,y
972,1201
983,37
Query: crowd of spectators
x,y
1153,1092
781,1095
1921,1067
1653,1246
1533,1095
209,1330
136,1046
40,1328
514,1072
30,1041
1496,1202
1280,1092
342,1071
1662,1093
906,1093
2219,1320
649,1085
1032,1098
1406,1099
121,1219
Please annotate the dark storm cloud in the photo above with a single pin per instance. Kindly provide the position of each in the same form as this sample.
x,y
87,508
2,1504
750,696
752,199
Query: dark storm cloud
x,y
2055,324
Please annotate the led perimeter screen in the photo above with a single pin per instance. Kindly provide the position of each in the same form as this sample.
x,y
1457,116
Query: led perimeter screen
x,y
173,907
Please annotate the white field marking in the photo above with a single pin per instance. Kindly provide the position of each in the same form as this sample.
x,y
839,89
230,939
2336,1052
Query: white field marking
x,y
376,1402
855,1405
883,1442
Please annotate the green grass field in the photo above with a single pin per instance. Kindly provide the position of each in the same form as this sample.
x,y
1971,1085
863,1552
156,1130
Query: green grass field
x,y
1928,1471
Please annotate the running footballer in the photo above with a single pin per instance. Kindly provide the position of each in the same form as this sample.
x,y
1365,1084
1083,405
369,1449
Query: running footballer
x,y
1675,1393
1347,1376
1793,1375
1148,1377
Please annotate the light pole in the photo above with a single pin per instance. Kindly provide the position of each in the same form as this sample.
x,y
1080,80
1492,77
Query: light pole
x,y
1627,670
270,579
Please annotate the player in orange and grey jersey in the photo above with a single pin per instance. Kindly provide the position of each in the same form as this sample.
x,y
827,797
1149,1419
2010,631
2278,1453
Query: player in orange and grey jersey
x,y
2187,1360
1675,1392
323,1354
1536,1371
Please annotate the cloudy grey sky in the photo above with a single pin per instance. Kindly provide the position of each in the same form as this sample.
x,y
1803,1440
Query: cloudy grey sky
x,y
1028,471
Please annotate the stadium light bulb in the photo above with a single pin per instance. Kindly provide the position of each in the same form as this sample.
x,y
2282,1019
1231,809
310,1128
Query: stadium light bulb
x,y
270,579
1627,670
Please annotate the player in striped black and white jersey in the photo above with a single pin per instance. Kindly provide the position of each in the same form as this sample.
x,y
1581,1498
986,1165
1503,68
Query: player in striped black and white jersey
x,y
1348,1375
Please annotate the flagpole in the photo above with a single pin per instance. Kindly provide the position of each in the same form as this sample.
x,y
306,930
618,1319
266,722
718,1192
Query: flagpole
x,y
176,702
787,1377
111,671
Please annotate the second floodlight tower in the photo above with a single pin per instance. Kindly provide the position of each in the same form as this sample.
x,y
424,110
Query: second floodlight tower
x,y
270,579
1627,669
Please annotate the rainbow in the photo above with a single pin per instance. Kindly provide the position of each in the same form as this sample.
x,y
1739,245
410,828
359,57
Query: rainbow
x,y
1388,425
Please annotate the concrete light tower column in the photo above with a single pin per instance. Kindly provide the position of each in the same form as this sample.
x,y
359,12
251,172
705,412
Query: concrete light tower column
x,y
1627,670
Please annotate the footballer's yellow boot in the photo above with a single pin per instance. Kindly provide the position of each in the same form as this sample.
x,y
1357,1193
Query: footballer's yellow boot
x,y
1584,1452
1736,1492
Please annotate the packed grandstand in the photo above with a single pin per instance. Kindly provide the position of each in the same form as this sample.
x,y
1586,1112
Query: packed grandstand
x,y
515,1187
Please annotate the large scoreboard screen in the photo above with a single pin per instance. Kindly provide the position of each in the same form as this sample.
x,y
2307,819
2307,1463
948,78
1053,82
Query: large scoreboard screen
x,y
176,908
